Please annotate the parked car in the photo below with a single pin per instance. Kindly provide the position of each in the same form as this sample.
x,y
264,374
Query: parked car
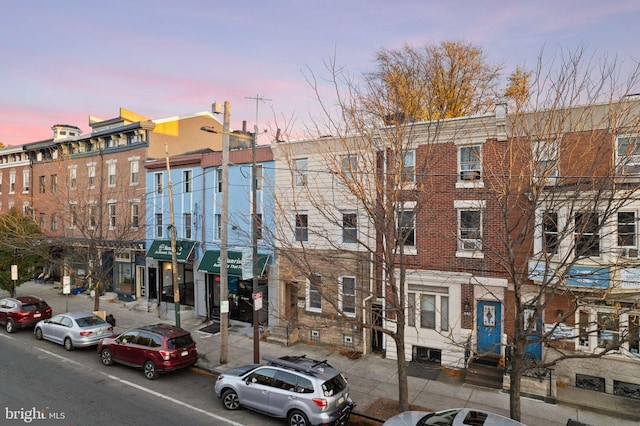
x,y
154,348
23,311
74,329
296,388
451,417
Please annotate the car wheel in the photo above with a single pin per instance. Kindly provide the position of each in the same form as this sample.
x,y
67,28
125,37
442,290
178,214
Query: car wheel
x,y
68,344
9,326
105,357
39,333
297,418
150,371
230,400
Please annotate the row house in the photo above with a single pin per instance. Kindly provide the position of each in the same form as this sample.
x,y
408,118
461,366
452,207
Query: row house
x,y
88,192
501,220
325,243
195,180
586,243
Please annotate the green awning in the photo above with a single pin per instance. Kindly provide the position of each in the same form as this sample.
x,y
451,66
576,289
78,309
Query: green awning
x,y
161,250
238,263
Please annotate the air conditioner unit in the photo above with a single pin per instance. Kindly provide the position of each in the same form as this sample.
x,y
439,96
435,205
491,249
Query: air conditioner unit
x,y
629,252
470,175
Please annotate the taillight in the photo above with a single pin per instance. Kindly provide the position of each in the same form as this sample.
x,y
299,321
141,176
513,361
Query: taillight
x,y
85,333
110,328
166,355
320,402
23,313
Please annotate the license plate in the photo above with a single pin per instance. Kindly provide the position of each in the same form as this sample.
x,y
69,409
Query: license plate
x,y
341,401
184,353
37,315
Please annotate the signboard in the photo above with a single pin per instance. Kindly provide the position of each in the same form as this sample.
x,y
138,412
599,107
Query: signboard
x,y
224,306
14,272
66,284
257,301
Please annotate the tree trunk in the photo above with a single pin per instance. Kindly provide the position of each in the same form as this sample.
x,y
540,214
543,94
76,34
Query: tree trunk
x,y
515,379
96,298
403,385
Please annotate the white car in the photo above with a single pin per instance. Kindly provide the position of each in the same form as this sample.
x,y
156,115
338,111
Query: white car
x,y
451,417
74,329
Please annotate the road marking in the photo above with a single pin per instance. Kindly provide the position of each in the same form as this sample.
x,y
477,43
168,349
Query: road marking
x,y
65,359
176,401
6,335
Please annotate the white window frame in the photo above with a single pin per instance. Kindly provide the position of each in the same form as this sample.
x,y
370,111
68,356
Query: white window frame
x,y
628,162
349,231
546,159
309,290
111,173
135,214
408,174
464,250
135,172
112,212
342,295
159,183
73,177
159,225
409,207
188,225
301,172
468,170
12,182
350,166
91,174
295,228
26,180
187,181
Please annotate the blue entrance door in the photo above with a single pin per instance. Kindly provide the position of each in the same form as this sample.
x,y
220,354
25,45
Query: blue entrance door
x,y
489,326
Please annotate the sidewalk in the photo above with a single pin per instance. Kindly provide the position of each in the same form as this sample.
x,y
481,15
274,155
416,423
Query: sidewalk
x,y
370,377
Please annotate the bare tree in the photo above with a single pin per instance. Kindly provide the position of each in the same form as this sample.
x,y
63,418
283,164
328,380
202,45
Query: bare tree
x,y
565,180
22,245
93,210
349,200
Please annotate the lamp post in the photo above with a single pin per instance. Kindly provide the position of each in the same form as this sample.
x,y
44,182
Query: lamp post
x,y
224,236
174,256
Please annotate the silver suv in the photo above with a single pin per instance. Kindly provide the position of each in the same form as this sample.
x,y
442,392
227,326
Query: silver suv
x,y
300,389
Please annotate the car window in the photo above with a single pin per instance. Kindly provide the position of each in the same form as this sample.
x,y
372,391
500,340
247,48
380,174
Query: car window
x,y
56,319
66,321
90,321
334,385
304,385
143,339
129,337
475,418
41,305
29,307
156,341
285,380
180,342
9,304
263,376
3,303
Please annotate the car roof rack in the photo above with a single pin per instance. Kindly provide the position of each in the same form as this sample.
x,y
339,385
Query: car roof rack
x,y
300,363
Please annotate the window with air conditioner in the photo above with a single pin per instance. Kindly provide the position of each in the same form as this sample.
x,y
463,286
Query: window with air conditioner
x,y
470,163
469,229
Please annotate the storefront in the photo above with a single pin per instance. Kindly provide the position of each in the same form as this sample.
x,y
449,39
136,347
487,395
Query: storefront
x,y
239,283
161,284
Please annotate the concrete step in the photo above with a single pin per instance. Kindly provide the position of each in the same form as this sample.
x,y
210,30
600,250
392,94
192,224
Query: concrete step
x,y
484,375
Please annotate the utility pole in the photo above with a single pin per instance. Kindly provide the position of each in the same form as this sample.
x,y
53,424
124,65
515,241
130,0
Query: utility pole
x,y
174,255
254,236
224,238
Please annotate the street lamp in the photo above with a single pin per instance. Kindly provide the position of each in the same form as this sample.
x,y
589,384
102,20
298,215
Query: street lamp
x,y
254,221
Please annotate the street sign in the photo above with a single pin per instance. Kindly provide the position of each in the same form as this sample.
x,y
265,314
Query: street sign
x,y
66,284
14,272
257,301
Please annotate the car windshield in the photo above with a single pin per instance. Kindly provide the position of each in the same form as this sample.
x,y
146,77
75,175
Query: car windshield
x,y
334,385
180,342
90,321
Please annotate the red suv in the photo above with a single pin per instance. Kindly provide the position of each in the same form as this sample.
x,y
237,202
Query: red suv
x,y
154,348
23,311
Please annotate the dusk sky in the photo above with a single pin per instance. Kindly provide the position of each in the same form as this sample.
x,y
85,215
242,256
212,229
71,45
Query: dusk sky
x,y
62,61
